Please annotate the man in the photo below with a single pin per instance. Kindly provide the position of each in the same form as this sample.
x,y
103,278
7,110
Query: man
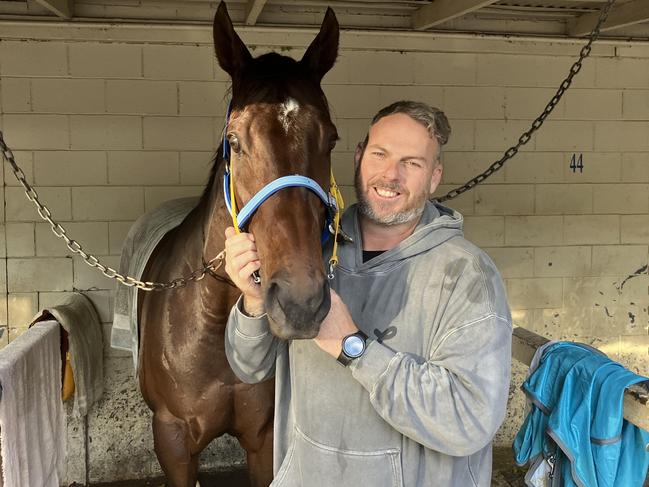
x,y
423,332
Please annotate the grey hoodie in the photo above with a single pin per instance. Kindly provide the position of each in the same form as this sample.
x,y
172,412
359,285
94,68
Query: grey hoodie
x,y
421,406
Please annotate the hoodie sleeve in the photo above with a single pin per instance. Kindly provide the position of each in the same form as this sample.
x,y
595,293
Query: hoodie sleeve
x,y
452,402
250,347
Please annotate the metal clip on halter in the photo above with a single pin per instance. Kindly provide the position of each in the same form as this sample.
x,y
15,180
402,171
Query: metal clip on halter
x,y
332,266
342,237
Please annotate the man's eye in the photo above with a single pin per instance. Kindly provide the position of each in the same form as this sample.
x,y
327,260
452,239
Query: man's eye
x,y
377,154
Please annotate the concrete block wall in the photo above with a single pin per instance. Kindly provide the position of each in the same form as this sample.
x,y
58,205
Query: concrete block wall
x,y
107,122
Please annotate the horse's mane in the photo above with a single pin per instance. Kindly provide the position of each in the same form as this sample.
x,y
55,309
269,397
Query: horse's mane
x,y
267,79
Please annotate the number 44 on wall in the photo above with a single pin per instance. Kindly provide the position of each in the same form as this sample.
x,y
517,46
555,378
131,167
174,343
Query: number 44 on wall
x,y
577,162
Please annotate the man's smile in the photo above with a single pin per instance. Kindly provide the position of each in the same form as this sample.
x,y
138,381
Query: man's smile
x,y
386,194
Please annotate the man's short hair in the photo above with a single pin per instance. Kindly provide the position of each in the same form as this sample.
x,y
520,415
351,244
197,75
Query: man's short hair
x,y
433,119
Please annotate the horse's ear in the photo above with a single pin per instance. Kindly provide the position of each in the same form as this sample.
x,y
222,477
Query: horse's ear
x,y
321,54
231,52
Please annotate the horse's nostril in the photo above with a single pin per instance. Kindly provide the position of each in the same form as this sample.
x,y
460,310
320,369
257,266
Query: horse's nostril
x,y
273,291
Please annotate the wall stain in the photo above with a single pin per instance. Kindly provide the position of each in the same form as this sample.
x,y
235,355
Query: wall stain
x,y
642,270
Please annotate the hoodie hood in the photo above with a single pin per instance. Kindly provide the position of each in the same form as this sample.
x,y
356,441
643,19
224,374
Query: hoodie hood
x,y
436,225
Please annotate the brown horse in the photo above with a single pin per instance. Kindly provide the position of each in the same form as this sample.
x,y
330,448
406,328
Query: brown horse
x,y
279,125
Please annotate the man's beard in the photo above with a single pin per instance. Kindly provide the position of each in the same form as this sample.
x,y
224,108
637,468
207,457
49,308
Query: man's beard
x,y
398,218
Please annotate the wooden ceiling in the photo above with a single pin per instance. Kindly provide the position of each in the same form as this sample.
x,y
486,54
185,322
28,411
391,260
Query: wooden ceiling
x,y
564,18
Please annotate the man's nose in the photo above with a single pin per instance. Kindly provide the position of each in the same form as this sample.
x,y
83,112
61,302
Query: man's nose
x,y
391,171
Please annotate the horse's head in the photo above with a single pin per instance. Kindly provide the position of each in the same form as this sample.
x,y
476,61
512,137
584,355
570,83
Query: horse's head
x,y
279,125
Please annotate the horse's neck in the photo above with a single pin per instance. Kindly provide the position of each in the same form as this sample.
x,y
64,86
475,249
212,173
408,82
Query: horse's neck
x,y
215,218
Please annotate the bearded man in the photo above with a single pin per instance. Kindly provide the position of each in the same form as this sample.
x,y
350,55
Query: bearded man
x,y
407,381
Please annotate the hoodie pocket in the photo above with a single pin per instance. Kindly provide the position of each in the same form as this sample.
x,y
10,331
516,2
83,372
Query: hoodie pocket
x,y
313,464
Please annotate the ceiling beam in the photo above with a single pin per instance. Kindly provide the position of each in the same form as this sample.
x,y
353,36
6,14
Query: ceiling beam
x,y
633,12
444,10
253,9
62,8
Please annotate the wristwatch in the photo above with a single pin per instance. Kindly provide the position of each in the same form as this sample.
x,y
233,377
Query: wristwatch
x,y
353,346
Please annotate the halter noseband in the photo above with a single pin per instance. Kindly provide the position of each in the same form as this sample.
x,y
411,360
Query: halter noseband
x,y
333,201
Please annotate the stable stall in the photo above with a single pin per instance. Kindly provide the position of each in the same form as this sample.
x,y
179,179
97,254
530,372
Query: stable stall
x,y
113,107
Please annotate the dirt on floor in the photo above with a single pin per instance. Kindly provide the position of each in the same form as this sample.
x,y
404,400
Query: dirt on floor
x,y
505,471
232,478
505,474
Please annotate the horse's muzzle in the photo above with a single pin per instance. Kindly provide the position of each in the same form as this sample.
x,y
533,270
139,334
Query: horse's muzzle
x,y
296,307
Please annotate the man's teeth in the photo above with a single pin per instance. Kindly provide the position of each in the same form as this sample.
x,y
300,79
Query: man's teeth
x,y
386,193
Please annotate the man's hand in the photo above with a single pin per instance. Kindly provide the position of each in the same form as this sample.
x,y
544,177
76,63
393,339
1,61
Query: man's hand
x,y
241,260
336,326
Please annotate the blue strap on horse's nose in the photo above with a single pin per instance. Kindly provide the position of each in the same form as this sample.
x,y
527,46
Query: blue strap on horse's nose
x,y
273,187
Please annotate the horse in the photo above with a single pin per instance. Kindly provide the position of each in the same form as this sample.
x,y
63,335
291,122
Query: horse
x,y
278,125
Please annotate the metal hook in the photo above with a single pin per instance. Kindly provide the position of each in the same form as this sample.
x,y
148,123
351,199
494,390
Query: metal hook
x,y
330,274
343,237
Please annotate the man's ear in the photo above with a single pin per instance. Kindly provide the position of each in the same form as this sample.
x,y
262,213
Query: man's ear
x,y
323,51
436,177
358,154
231,52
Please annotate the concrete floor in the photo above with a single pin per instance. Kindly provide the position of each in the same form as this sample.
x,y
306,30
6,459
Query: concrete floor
x,y
505,474
505,471
235,478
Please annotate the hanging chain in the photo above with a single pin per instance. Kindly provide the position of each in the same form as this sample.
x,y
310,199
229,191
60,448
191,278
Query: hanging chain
x,y
527,136
214,264
211,266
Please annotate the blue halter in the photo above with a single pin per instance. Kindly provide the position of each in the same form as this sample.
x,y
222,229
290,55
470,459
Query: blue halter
x,y
273,187
248,210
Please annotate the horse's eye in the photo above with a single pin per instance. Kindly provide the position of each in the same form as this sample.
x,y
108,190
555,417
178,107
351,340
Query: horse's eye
x,y
234,143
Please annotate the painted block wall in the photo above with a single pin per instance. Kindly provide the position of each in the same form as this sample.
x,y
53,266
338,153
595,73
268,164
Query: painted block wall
x,y
108,121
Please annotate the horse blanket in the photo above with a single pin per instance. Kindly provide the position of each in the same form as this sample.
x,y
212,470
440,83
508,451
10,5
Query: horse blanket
x,y
138,246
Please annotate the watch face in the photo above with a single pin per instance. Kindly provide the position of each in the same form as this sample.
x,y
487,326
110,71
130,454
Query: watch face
x,y
354,346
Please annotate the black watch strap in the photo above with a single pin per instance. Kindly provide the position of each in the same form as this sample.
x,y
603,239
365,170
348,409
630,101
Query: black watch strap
x,y
345,359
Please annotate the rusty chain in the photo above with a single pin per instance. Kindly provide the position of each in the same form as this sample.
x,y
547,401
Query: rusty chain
x,y
214,264
91,260
527,136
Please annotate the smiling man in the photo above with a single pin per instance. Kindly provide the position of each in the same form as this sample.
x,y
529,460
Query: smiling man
x,y
408,378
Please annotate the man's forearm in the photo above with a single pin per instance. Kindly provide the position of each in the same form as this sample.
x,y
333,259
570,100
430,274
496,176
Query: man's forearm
x,y
451,406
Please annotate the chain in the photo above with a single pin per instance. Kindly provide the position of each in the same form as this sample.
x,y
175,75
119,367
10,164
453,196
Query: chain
x,y
527,136
74,246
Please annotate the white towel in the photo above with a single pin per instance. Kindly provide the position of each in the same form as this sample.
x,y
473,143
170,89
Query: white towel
x,y
77,316
32,424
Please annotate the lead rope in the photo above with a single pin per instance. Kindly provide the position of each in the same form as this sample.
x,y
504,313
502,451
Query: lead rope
x,y
233,203
340,206
233,213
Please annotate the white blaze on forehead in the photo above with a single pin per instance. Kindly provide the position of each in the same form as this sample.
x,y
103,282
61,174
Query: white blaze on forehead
x,y
287,110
